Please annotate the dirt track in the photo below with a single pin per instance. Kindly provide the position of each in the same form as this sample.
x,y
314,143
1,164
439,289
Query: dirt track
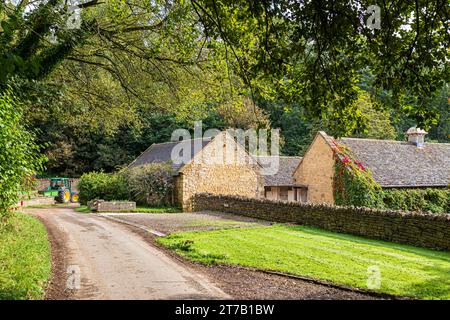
x,y
115,263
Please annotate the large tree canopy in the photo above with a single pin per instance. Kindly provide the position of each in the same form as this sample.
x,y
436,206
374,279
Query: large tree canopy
x,y
316,52
99,80
308,52
37,36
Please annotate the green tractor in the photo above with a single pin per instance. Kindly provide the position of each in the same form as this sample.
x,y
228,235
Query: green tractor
x,y
61,189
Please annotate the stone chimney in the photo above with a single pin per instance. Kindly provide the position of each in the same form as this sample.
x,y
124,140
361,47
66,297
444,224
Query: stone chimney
x,y
416,136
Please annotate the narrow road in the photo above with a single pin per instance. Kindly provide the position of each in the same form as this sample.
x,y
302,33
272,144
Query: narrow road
x,y
114,263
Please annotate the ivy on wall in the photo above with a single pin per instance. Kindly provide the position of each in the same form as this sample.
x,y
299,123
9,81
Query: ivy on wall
x,y
355,186
353,183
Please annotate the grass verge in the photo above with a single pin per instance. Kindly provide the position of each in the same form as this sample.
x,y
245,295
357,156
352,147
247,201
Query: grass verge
x,y
25,260
220,223
44,206
83,209
339,258
139,209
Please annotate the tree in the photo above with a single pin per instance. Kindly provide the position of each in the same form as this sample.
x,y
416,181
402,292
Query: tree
x,y
376,122
441,132
20,157
297,132
94,83
308,52
36,37
315,52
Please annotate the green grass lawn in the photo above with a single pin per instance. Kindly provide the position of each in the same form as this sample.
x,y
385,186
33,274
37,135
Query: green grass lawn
x,y
139,209
338,258
25,263
83,209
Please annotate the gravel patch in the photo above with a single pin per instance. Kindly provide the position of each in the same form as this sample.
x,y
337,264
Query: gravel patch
x,y
173,222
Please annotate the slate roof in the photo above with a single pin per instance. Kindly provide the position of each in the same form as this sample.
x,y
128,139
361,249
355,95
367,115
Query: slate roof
x,y
402,164
161,152
286,168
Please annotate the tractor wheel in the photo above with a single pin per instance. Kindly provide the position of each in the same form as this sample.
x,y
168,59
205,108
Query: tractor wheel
x,y
74,197
63,196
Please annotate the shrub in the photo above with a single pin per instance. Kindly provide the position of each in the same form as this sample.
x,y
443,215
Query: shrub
x,y
394,199
430,199
19,154
439,198
356,188
100,185
150,184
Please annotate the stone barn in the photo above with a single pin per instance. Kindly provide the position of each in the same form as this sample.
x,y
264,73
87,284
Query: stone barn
x,y
220,165
210,165
394,164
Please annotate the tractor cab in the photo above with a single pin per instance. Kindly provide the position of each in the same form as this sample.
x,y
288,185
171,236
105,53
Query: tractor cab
x,y
61,189
59,183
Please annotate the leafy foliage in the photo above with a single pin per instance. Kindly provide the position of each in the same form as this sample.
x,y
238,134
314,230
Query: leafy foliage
x,y
150,184
315,53
74,148
440,131
298,131
131,73
19,155
430,199
100,185
353,183
376,121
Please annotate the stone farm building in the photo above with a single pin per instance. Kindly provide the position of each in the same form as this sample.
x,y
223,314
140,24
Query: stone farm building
x,y
394,164
237,173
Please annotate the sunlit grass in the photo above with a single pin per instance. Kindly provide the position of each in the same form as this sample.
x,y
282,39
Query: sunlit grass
x,y
25,263
338,258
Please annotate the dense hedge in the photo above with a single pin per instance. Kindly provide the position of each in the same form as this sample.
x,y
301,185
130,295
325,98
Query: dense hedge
x,y
100,185
149,184
355,189
430,199
20,156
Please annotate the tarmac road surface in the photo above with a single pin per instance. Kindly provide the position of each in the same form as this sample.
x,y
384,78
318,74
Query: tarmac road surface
x,y
105,260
